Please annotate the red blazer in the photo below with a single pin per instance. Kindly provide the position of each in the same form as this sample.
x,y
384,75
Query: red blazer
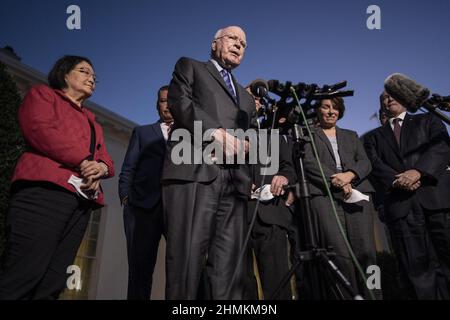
x,y
58,137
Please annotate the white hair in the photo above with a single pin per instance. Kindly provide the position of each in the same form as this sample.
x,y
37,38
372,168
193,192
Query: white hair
x,y
218,34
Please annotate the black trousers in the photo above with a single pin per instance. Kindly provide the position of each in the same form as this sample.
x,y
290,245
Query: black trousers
x,y
270,244
143,230
421,242
205,228
45,226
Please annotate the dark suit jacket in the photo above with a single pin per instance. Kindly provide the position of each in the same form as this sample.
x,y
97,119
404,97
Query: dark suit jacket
x,y
197,92
425,146
275,211
378,195
142,167
352,155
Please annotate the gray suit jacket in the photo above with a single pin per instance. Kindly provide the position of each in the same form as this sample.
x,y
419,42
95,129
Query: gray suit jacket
x,y
353,158
198,92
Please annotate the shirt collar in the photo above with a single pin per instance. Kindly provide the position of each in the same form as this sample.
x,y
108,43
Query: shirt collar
x,y
401,116
218,66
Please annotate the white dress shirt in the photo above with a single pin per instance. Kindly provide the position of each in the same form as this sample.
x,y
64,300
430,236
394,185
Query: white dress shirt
x,y
165,129
401,116
219,68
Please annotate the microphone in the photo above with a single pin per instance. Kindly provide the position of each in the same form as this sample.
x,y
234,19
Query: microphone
x,y
280,89
259,88
440,102
406,91
413,96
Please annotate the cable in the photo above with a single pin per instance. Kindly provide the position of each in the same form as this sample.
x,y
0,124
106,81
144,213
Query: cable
x,y
255,211
341,229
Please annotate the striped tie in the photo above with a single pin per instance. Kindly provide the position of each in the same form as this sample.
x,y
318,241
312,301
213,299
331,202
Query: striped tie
x,y
226,77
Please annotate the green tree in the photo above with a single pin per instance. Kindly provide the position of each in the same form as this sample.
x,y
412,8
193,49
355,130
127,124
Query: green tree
x,y
11,141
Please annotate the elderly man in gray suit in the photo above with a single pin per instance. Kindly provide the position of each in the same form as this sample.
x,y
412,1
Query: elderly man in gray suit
x,y
205,204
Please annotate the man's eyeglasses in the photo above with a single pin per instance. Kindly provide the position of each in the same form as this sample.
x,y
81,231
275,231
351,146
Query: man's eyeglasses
x,y
236,39
87,73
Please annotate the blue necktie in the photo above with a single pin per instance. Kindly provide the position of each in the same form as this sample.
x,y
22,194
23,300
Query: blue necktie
x,y
226,77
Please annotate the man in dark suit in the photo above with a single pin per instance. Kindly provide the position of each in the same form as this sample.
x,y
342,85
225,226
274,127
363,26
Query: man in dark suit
x,y
140,194
205,204
409,156
378,196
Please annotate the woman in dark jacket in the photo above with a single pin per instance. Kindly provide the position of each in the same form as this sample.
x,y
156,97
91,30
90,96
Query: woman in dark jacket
x,y
346,167
56,182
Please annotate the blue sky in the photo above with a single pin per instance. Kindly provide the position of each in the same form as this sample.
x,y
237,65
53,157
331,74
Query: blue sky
x,y
134,44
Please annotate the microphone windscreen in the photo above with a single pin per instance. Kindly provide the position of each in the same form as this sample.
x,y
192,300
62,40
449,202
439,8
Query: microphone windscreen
x,y
259,87
406,91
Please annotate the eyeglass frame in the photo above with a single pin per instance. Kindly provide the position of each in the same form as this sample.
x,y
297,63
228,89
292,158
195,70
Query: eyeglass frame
x,y
235,39
87,73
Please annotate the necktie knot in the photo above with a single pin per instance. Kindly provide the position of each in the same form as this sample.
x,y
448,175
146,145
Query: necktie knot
x,y
225,73
169,126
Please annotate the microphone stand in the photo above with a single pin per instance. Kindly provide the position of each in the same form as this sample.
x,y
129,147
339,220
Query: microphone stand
x,y
433,110
317,260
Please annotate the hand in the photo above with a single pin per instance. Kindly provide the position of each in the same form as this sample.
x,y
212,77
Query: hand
x,y
230,144
246,146
277,184
339,180
412,188
93,169
406,180
90,186
347,189
415,186
290,199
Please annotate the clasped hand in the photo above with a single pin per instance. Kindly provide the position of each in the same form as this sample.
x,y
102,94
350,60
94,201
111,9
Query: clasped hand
x,y
92,171
343,181
408,180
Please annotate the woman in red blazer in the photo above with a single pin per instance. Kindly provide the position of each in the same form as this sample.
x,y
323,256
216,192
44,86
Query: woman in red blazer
x,y
56,182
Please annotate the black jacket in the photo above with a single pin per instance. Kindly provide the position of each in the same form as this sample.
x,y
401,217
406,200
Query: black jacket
x,y
424,146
